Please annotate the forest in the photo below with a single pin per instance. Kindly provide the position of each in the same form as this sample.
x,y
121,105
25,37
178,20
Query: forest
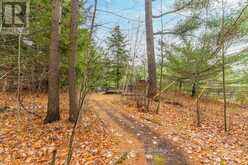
x,y
129,82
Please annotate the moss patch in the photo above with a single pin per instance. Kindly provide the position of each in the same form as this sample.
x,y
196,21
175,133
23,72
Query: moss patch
x,y
159,160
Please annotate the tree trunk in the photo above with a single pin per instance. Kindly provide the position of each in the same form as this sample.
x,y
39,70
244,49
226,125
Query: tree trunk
x,y
193,92
152,82
117,72
162,59
198,115
180,86
223,66
198,112
73,98
53,73
83,92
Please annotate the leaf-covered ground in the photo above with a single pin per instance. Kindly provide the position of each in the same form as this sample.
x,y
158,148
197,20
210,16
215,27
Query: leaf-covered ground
x,y
24,139
209,144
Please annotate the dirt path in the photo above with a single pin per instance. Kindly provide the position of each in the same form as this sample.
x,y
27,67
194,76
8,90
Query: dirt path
x,y
126,142
151,148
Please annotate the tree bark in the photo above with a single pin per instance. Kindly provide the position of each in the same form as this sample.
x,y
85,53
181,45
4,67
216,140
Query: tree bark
x,y
152,81
193,92
198,112
73,98
83,92
162,59
180,86
53,73
223,66
117,71
198,115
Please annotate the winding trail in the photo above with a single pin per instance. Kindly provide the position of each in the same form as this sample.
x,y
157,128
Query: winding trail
x,y
155,149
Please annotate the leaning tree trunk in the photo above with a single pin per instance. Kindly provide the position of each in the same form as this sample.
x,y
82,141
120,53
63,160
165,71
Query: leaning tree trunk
x,y
73,98
53,73
152,82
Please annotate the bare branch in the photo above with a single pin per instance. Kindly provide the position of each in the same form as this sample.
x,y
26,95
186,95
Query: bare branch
x,y
174,11
115,14
165,33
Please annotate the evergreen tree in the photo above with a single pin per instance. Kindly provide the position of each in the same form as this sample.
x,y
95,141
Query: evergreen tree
x,y
118,55
191,64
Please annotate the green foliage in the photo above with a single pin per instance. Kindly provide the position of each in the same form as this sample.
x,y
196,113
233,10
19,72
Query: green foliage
x,y
117,57
187,26
41,25
198,58
191,4
35,56
192,64
242,98
235,25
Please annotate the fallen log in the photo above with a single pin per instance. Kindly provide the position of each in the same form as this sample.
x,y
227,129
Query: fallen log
x,y
174,103
112,92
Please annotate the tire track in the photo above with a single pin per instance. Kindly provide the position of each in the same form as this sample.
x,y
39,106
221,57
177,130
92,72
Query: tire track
x,y
154,146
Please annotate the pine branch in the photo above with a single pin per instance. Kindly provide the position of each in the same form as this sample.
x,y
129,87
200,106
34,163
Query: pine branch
x,y
174,11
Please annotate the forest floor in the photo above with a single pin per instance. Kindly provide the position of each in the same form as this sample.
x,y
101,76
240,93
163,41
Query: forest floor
x,y
24,139
113,130
142,144
176,124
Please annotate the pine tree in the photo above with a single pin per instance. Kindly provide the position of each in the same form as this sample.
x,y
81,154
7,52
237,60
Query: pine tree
x,y
192,64
118,54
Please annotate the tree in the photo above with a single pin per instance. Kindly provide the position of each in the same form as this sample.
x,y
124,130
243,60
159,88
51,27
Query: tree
x,y
199,61
223,65
152,81
161,57
53,73
118,55
191,64
73,98
84,88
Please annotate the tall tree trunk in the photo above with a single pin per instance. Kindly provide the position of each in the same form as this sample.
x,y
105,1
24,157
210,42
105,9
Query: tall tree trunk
x,y
152,81
83,91
73,98
162,58
53,73
223,65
